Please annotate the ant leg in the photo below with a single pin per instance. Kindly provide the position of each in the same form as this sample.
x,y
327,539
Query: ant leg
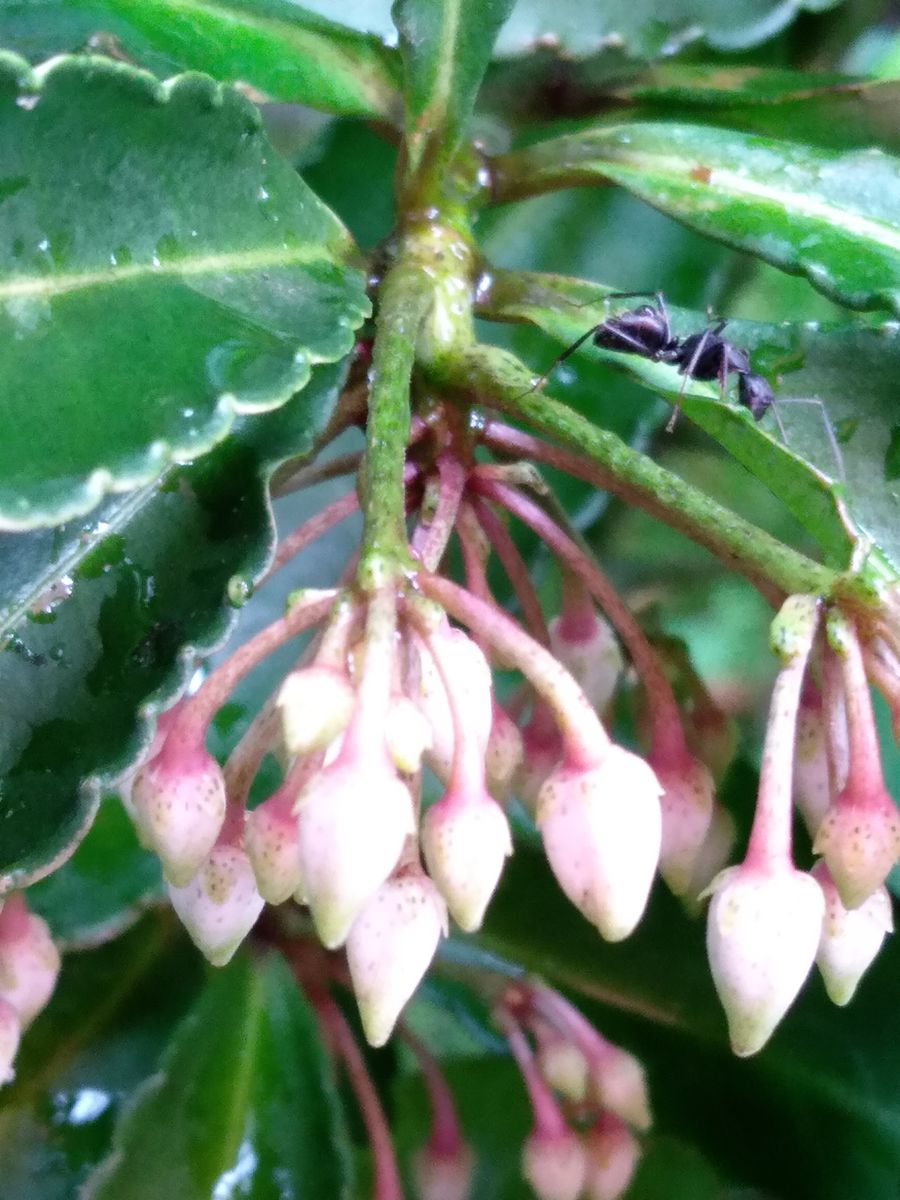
x,y
833,443
613,296
542,379
688,373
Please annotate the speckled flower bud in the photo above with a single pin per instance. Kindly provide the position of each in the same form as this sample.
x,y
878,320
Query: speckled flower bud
x,y
273,848
618,1082
353,820
713,856
859,839
471,683
221,904
316,703
762,934
179,798
465,839
588,649
443,1176
390,947
812,786
407,733
612,1153
555,1165
687,806
10,1032
29,959
851,938
503,756
601,828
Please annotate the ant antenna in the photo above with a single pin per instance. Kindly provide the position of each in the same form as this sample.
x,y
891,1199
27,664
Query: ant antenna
x,y
830,435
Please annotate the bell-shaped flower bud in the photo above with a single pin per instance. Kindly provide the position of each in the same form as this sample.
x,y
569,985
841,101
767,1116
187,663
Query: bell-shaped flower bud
x,y
443,1176
612,1153
762,934
542,749
588,649
618,1082
390,947
221,904
712,857
859,839
407,733
29,959
179,800
316,704
812,783
466,840
561,1062
555,1164
10,1033
470,680
601,828
272,843
353,820
851,938
503,756
687,807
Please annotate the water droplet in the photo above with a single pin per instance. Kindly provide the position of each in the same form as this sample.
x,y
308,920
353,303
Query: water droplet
x,y
44,245
262,194
27,102
239,591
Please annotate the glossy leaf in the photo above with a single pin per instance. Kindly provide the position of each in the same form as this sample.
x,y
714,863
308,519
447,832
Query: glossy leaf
x,y
163,271
446,46
150,584
824,1090
245,1103
831,217
104,887
807,362
281,49
99,1038
644,28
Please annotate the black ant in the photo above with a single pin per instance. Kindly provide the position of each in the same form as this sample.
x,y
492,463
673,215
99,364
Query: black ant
x,y
647,332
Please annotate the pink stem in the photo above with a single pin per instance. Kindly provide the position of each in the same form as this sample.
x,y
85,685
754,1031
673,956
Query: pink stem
x,y
366,728
668,734
834,715
14,917
311,530
570,1023
446,1137
548,1120
585,738
577,616
452,481
864,777
517,573
198,710
386,1176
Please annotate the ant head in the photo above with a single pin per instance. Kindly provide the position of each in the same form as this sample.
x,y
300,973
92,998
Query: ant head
x,y
755,393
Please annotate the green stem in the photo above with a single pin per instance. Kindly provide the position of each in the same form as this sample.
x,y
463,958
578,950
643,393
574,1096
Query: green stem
x,y
500,381
403,302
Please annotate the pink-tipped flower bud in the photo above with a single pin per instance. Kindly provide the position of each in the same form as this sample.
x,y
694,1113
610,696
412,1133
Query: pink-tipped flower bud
x,y
273,847
588,649
601,828
407,733
812,784
10,1033
713,856
220,905
503,756
390,947
859,839
316,704
466,840
612,1153
618,1082
561,1062
851,938
762,934
542,749
711,735
353,820
29,959
555,1165
179,799
687,807
446,1176
470,680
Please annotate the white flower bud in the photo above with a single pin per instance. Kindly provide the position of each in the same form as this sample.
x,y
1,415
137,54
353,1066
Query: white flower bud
x,y
443,1176
29,960
465,840
555,1166
10,1032
594,658
390,947
407,733
220,905
618,1082
273,847
316,703
687,807
860,841
851,938
561,1063
762,933
612,1158
601,829
812,784
712,857
503,755
470,678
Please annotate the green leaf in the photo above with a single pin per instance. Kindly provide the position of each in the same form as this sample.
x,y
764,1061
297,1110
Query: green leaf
x,y
834,111
808,362
279,48
150,584
831,217
244,1105
162,272
824,1090
446,47
645,28
100,1036
104,887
